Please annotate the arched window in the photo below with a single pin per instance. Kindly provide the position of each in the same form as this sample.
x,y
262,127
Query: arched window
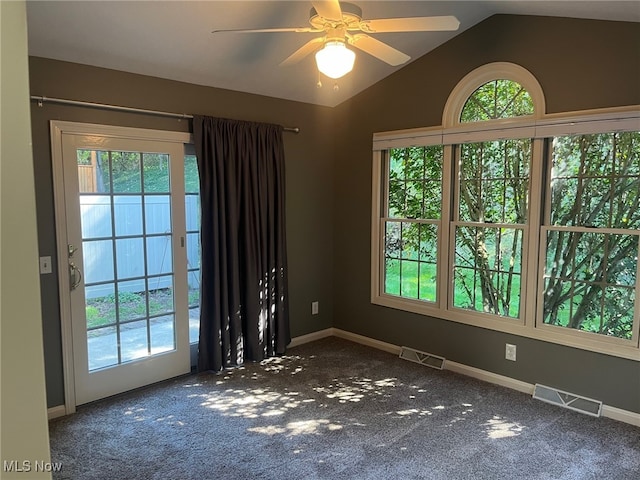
x,y
496,91
497,99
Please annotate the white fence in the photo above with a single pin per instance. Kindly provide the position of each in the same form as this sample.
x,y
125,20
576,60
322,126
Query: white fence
x,y
130,213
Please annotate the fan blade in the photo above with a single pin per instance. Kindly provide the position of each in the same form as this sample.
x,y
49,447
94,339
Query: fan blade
x,y
378,49
270,30
411,24
329,9
302,52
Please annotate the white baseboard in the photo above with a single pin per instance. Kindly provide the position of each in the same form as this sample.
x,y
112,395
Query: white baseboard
x,y
311,337
614,413
621,415
489,377
55,412
370,342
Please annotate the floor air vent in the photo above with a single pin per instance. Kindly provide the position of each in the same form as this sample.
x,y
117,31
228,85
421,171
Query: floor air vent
x,y
567,400
422,358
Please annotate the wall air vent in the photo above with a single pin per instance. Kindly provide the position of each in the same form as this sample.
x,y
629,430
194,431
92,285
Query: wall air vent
x,y
567,400
422,358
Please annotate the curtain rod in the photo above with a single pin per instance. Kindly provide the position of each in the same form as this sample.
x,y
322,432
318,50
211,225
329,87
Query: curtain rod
x,y
41,99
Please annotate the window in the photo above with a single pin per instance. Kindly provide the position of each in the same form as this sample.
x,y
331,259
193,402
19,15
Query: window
x,y
412,222
490,227
592,228
497,99
506,219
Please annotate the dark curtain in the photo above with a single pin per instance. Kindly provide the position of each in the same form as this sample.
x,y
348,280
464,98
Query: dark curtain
x,y
244,313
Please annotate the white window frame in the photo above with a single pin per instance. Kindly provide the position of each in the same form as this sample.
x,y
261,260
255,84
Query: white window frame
x,y
538,127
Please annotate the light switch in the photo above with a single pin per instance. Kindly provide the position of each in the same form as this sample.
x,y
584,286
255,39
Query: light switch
x,y
45,265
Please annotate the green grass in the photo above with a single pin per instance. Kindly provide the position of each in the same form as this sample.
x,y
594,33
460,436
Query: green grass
x,y
418,279
101,311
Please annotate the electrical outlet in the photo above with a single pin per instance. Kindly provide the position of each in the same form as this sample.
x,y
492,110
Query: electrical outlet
x,y
314,308
45,265
510,352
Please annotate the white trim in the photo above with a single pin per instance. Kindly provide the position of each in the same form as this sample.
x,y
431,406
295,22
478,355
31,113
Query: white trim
x,y
614,413
620,415
310,337
369,342
376,224
57,412
577,122
489,377
112,131
408,137
57,131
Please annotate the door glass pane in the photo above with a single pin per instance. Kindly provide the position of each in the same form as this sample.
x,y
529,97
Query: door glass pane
x,y
128,267
93,171
96,216
159,255
130,255
125,172
102,347
132,301
157,214
100,305
127,210
192,211
156,172
134,340
162,334
160,295
98,261
193,250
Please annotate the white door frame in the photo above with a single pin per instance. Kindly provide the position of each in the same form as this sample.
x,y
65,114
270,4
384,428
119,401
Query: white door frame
x,y
57,129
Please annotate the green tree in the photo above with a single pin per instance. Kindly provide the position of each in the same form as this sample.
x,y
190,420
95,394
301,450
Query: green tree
x,y
591,276
493,186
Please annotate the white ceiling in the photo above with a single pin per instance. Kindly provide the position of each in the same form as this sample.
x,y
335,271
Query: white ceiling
x,y
173,39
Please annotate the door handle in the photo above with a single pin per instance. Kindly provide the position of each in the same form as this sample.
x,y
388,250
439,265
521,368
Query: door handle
x,y
75,276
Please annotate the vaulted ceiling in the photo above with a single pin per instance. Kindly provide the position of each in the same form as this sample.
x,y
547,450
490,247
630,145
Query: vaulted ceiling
x,y
174,39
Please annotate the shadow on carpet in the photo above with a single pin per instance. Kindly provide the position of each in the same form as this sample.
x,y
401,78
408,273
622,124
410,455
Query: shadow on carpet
x,y
333,409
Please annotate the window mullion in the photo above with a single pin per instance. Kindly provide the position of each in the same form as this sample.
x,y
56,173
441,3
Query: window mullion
x,y
449,206
532,234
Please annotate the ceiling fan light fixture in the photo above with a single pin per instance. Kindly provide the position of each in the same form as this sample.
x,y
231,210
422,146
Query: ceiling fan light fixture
x,y
335,60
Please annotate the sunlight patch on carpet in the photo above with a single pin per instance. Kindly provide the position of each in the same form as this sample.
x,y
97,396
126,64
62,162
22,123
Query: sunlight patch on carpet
x,y
253,403
498,427
302,427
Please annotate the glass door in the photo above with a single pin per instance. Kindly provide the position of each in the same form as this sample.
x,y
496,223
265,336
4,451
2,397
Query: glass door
x,y
125,207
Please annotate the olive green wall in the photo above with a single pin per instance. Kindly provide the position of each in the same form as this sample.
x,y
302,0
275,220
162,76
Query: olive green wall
x,y
580,64
308,170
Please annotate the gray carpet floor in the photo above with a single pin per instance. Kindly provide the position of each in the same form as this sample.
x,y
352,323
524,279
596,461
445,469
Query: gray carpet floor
x,y
333,409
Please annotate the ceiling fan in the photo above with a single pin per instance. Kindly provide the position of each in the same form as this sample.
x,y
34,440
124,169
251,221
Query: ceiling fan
x,y
341,24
